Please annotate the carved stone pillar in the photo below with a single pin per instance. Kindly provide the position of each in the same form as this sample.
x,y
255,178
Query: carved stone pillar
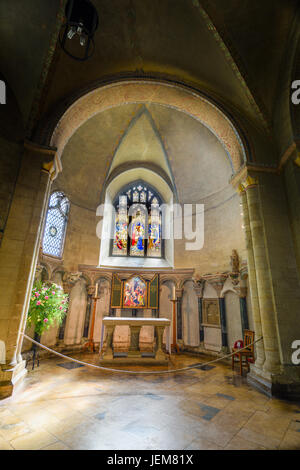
x,y
159,336
264,288
178,296
259,347
88,313
242,293
75,321
199,288
218,286
19,253
134,347
223,323
109,342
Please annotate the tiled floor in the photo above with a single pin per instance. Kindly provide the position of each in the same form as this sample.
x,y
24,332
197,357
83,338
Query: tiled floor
x,y
82,408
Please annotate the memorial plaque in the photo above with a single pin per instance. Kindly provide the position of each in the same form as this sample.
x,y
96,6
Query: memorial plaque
x,y
211,312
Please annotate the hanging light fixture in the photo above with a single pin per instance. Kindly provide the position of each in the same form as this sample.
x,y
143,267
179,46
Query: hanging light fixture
x,y
77,34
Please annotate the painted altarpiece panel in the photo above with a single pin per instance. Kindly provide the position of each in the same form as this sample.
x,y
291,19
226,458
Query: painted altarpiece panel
x,y
135,293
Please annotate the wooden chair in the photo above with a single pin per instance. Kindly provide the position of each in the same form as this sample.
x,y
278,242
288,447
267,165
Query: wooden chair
x,y
248,353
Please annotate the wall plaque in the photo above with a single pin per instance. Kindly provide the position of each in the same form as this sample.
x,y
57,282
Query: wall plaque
x,y
211,312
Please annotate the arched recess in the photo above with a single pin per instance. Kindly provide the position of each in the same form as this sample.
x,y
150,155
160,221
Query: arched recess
x,y
190,316
151,92
104,228
167,292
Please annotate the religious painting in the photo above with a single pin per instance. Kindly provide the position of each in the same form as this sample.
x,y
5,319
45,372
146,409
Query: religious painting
x,y
211,312
137,241
135,293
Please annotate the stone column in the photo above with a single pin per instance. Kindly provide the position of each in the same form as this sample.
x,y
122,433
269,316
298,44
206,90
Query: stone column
x,y
108,354
76,311
88,313
134,347
292,187
199,288
178,295
218,285
264,288
159,336
67,286
244,314
223,324
242,293
19,253
259,347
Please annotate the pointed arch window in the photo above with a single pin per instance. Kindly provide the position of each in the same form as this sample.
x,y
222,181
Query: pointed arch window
x,y
56,224
137,226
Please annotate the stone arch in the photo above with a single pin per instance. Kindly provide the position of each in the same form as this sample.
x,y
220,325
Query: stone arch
x,y
165,93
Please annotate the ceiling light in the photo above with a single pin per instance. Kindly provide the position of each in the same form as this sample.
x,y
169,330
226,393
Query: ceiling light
x,y
77,34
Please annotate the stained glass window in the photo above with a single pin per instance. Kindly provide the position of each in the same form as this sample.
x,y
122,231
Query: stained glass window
x,y
56,224
137,224
154,232
138,231
121,228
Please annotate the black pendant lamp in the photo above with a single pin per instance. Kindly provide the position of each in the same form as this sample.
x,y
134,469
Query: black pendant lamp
x,y
77,34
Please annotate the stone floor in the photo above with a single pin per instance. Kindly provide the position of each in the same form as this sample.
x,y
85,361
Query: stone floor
x,y
60,407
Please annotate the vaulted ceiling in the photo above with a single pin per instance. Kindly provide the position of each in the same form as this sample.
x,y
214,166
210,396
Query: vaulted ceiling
x,y
179,147
235,51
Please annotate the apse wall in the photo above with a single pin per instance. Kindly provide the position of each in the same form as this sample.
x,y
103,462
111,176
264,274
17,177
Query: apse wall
x,y
222,233
195,168
193,160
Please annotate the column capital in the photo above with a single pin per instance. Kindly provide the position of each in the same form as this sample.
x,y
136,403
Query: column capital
x,y
51,163
248,176
91,290
216,281
198,285
241,291
70,279
297,159
178,292
245,182
38,271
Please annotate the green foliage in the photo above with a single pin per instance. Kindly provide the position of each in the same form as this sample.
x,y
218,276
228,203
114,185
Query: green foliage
x,y
48,305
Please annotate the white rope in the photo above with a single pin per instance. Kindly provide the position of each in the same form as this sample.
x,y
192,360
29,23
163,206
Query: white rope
x,y
136,371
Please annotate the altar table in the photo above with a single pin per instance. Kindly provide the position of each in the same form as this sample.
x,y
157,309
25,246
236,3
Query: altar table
x,y
134,355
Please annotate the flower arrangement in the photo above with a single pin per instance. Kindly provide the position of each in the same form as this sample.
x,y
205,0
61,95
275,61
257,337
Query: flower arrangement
x,y
48,304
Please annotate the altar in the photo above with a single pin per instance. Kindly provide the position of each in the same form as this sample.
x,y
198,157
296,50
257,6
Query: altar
x,y
134,355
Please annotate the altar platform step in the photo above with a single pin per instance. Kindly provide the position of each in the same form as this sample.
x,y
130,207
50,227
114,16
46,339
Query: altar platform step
x,y
136,361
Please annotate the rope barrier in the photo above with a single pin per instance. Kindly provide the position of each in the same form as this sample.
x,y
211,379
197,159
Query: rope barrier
x,y
172,371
